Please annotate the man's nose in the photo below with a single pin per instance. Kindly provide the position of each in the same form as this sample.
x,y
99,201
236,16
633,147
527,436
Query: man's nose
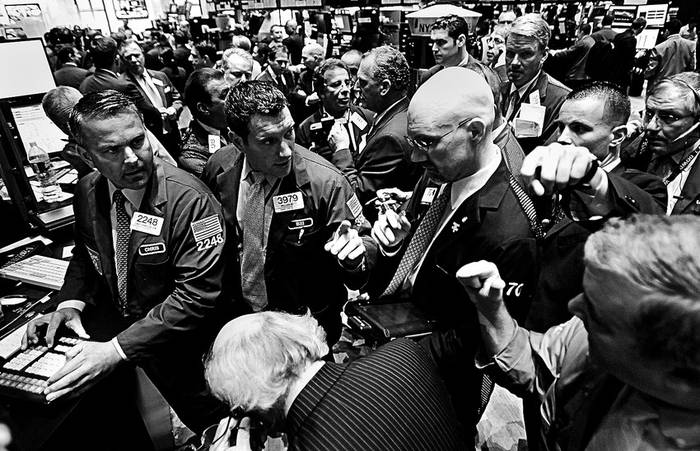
x,y
129,155
653,124
285,150
515,60
418,155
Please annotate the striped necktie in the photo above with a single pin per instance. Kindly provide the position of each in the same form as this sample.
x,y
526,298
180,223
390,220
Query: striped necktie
x,y
420,240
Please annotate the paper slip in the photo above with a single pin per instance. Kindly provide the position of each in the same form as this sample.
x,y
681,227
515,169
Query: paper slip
x,y
530,122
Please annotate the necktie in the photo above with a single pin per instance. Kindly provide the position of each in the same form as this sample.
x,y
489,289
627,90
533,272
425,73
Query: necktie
x,y
420,240
122,249
253,255
513,105
152,92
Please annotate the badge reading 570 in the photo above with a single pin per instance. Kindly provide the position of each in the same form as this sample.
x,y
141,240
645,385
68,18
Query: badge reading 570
x,y
207,232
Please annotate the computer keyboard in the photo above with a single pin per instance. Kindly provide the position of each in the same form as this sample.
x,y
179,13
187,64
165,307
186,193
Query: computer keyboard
x,y
38,270
24,374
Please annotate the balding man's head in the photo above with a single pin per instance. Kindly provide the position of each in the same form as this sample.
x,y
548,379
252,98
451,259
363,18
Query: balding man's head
x,y
450,129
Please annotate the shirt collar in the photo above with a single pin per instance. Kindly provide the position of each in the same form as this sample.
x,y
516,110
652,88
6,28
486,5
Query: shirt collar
x,y
467,186
209,129
70,63
381,115
522,90
109,72
247,171
134,196
612,164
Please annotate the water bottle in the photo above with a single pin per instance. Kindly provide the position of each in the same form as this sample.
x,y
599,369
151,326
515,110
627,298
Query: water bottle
x,y
41,165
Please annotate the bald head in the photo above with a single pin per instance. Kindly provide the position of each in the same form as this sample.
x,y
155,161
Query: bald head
x,y
450,129
469,96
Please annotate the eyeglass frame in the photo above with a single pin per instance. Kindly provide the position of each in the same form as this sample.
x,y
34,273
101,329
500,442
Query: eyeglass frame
x,y
426,147
685,84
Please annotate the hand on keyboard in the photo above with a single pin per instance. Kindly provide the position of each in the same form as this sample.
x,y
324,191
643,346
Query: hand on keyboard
x,y
69,317
86,363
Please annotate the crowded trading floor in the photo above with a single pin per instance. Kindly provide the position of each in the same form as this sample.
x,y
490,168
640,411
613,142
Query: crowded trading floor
x,y
425,227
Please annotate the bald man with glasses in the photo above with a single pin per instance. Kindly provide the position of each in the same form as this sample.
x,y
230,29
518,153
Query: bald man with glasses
x,y
463,209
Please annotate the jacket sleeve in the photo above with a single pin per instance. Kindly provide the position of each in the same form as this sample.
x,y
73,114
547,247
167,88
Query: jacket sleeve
x,y
385,165
531,362
82,279
198,269
343,204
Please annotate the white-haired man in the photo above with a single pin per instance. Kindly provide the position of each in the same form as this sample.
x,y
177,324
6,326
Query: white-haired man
x,y
624,373
526,50
269,367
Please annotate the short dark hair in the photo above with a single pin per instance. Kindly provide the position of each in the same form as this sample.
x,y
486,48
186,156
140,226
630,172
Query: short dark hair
x,y
616,110
276,49
196,87
65,54
249,98
454,25
97,106
607,20
180,37
585,28
390,64
331,63
206,49
639,23
673,26
103,51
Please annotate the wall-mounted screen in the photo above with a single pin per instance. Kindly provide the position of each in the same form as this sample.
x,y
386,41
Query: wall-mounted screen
x,y
30,72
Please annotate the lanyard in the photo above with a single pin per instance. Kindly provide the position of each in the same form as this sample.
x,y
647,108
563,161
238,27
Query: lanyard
x,y
682,166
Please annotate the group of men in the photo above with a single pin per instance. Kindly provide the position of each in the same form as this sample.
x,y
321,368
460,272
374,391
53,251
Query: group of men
x,y
502,190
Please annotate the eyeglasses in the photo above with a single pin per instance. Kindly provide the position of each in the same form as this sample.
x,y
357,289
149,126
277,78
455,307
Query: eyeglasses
x,y
425,145
664,117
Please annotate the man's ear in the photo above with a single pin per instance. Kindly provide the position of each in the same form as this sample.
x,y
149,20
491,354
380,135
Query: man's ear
x,y
461,40
619,134
385,87
235,139
202,108
476,129
85,154
545,55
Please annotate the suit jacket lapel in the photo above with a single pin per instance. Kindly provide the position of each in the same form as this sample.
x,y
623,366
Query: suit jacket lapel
x,y
690,194
102,231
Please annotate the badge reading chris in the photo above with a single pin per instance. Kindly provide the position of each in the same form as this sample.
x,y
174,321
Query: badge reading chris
x,y
207,232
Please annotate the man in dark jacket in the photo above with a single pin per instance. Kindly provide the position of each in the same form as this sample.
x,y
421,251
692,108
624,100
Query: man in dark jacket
x,y
147,267
333,84
205,95
103,51
526,51
157,89
69,74
393,399
624,50
299,236
382,160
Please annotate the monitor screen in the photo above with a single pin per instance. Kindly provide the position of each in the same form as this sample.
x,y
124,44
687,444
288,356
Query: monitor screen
x,y
30,74
343,23
34,126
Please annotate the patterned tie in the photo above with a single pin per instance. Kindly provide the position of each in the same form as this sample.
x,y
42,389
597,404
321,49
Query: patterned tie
x,y
122,249
253,256
420,240
513,105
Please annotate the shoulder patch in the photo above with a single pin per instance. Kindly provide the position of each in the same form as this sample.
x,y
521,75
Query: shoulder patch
x,y
206,228
355,206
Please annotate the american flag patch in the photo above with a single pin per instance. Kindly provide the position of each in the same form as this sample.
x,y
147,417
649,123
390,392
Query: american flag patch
x,y
205,228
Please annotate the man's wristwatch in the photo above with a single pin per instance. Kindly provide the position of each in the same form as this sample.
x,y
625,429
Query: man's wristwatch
x,y
588,176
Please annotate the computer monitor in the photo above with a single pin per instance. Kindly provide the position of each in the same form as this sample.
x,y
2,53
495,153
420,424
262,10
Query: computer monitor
x,y
30,72
343,22
34,126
